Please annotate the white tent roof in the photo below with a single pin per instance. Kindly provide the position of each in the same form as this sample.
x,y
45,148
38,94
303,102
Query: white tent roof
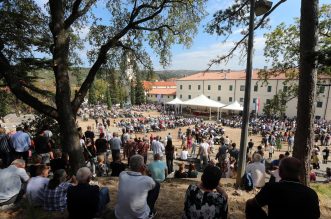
x,y
175,101
202,100
234,106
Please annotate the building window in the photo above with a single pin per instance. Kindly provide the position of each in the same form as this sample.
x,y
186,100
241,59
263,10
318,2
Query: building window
x,y
218,98
322,89
168,97
269,88
230,87
161,95
319,104
174,96
189,87
209,87
285,89
189,96
180,96
254,100
208,97
199,87
242,87
219,87
241,99
181,87
256,88
267,101
230,99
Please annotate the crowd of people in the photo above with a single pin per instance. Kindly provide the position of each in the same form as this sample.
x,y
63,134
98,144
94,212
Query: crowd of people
x,y
33,170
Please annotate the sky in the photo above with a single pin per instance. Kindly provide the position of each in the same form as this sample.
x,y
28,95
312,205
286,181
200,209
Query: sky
x,y
205,46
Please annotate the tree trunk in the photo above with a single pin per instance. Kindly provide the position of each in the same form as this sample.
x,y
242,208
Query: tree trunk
x,y
69,134
304,136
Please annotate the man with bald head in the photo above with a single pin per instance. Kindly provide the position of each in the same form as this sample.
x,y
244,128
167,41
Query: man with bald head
x,y
286,199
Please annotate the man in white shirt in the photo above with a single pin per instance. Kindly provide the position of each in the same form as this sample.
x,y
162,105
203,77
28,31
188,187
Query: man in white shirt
x,y
158,147
137,193
12,179
36,185
257,170
204,153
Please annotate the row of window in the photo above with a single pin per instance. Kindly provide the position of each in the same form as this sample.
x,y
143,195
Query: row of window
x,y
151,95
242,88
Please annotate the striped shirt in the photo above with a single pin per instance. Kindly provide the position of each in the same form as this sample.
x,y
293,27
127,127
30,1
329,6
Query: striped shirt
x,y
4,144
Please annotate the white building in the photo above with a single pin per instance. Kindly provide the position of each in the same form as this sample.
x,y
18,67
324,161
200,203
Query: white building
x,y
160,91
226,87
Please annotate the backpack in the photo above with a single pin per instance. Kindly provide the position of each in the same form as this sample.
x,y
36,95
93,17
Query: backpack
x,y
247,182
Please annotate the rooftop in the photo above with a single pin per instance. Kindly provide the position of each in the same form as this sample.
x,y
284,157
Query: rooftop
x,y
233,75
165,91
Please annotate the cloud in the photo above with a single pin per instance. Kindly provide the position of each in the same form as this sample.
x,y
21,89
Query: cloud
x,y
199,59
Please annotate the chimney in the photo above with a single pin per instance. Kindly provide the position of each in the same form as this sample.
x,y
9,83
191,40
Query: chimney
x,y
222,70
265,68
229,70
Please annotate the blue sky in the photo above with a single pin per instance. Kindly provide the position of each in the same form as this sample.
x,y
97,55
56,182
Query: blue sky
x,y
206,47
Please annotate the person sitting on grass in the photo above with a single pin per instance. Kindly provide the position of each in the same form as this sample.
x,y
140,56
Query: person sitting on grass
x,y
158,169
117,166
55,194
12,182
137,193
208,199
36,186
184,154
192,173
180,173
84,200
287,199
32,168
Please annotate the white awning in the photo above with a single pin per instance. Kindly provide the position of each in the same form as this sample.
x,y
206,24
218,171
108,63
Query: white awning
x,y
234,106
202,100
175,101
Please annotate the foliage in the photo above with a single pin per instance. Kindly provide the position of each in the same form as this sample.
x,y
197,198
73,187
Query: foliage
x,y
5,103
38,123
234,18
139,91
282,45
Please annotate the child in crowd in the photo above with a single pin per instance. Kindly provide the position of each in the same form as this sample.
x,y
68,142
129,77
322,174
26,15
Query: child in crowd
x,y
101,167
180,173
192,173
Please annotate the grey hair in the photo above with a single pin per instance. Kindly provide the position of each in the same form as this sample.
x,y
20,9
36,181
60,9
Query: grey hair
x,y
83,174
136,162
257,157
18,162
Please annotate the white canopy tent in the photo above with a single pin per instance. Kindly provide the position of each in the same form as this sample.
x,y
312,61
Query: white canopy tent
x,y
177,102
204,101
234,106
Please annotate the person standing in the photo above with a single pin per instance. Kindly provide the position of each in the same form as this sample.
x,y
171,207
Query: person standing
x,y
158,147
325,154
143,147
115,145
89,134
287,199
5,149
43,147
203,153
137,193
169,152
21,142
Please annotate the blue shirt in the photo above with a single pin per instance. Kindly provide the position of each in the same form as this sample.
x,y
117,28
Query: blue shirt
x,y
157,170
20,141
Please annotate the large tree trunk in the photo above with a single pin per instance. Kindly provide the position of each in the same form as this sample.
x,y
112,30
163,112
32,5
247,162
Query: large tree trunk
x,y
304,136
66,116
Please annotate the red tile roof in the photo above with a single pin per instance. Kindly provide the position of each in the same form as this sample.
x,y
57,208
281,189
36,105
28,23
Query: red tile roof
x,y
165,91
233,75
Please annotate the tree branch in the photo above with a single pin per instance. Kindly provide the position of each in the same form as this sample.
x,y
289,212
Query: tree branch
x,y
157,28
230,53
76,13
18,90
